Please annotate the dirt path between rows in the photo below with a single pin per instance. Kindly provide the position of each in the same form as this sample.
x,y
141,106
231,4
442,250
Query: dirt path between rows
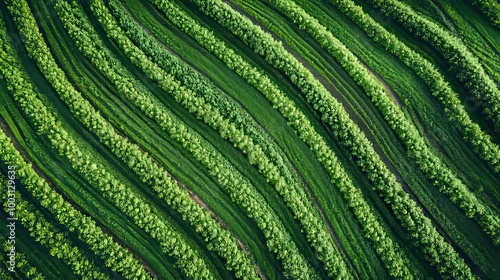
x,y
363,127
394,96
434,142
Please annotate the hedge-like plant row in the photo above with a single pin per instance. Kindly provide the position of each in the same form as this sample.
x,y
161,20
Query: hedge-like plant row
x,y
289,187
427,160
300,123
83,161
466,66
115,256
491,9
455,110
22,265
141,163
139,53
206,94
200,85
350,135
235,184
57,242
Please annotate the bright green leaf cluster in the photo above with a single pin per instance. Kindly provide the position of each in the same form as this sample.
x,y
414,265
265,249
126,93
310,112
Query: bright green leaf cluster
x,y
228,177
434,246
466,66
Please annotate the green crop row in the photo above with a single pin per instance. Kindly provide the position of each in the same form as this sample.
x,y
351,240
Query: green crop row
x,y
231,180
467,67
471,131
83,161
285,184
436,249
56,241
388,250
115,256
482,142
142,164
427,160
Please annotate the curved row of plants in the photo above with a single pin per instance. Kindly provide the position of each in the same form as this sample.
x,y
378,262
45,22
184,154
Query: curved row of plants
x,y
466,66
196,82
205,94
125,104
481,142
84,197
427,159
82,160
234,183
47,234
491,9
201,86
332,112
289,187
115,256
142,164
223,52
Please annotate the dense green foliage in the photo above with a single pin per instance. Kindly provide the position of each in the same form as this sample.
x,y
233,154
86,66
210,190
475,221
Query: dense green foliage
x,y
249,139
293,195
428,161
454,109
116,257
209,157
149,171
355,199
491,9
466,66
128,201
333,114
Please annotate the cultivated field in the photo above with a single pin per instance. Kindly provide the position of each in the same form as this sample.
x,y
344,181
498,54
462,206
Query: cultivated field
x,y
251,139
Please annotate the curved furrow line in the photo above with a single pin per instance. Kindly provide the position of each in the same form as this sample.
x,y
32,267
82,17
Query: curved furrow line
x,y
250,139
235,184
117,257
85,163
141,163
466,65
297,119
80,195
278,175
427,159
454,108
230,110
333,114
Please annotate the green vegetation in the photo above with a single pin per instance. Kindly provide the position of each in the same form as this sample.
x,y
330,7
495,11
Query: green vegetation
x,y
467,67
57,242
150,172
491,9
259,139
428,161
